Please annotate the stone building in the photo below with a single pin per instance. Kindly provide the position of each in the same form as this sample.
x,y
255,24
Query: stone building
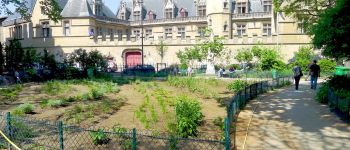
x,y
90,24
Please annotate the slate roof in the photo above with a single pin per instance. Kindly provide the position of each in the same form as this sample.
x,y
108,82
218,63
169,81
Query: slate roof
x,y
157,7
77,8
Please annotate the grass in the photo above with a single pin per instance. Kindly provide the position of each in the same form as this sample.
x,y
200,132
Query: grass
x,y
53,103
11,92
55,87
22,109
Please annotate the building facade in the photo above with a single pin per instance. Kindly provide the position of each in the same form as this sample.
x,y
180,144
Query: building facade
x,y
90,24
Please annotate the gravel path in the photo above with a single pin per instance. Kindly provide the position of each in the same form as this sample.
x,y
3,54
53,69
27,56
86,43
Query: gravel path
x,y
289,119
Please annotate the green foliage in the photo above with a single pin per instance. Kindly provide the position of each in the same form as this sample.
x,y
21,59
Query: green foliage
x,y
22,130
322,93
219,122
14,54
23,109
122,133
188,116
327,65
11,93
99,137
244,56
53,103
52,9
332,29
93,59
2,58
162,49
303,57
55,87
268,58
237,85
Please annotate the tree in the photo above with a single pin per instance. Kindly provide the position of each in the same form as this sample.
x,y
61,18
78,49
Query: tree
x,y
244,56
93,59
303,57
51,8
305,11
162,49
14,55
331,32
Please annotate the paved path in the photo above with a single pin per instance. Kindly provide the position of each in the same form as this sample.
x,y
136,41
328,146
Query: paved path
x,y
289,119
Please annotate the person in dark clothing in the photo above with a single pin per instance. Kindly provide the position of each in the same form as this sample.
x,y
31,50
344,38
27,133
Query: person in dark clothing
x,y
314,73
297,75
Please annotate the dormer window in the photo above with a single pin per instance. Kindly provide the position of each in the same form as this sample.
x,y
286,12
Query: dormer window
x,y
267,6
168,13
137,15
241,7
122,16
202,10
183,13
151,15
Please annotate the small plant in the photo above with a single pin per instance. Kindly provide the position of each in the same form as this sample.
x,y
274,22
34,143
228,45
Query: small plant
x,y
55,87
96,94
11,92
219,122
237,85
24,109
188,116
52,103
99,137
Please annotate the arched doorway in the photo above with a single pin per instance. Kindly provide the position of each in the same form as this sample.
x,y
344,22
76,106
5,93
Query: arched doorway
x,y
132,58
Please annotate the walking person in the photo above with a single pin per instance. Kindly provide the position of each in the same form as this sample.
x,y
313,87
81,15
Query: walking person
x,y
314,73
297,75
308,67
18,80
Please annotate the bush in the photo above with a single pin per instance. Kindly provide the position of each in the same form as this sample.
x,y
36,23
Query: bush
x,y
188,116
53,103
327,65
24,109
237,85
99,137
322,93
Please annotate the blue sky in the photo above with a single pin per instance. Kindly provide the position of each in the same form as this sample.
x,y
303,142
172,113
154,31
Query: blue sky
x,y
112,4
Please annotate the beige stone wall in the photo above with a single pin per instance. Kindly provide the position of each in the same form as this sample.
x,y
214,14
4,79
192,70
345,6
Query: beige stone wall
x,y
284,35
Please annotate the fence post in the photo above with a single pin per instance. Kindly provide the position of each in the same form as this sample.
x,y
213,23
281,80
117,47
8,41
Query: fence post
x,y
134,139
8,127
227,135
60,134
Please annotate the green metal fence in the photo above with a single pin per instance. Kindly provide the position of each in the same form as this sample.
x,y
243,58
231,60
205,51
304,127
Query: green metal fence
x,y
337,103
241,98
36,134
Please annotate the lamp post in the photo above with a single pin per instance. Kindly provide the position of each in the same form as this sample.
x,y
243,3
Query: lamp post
x,y
141,10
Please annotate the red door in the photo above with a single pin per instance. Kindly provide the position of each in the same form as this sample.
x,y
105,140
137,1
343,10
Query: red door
x,y
132,58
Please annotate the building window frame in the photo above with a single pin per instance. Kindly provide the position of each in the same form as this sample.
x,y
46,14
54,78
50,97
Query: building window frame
x,y
66,28
201,31
267,5
137,33
241,29
182,32
148,33
241,7
45,28
120,35
137,15
202,10
169,13
267,29
168,32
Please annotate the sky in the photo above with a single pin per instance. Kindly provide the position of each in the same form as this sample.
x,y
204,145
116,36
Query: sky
x,y
112,4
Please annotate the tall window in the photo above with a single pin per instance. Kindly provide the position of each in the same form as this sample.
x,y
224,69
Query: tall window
x,y
225,4
241,8
148,33
111,34
42,10
120,35
99,31
137,34
137,15
225,26
45,29
66,28
267,29
181,31
202,10
241,29
18,32
169,13
122,16
168,32
267,6
127,34
201,31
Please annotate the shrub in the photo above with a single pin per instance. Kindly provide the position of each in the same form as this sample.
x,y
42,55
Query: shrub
x,y
188,116
11,93
99,137
237,85
24,109
219,122
327,65
322,93
55,87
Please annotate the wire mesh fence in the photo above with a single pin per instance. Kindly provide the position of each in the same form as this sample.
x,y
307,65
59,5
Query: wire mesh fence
x,y
242,97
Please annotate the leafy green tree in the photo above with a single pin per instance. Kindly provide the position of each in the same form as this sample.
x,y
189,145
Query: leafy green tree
x,y
14,54
31,57
51,8
244,56
49,61
327,65
162,49
268,58
93,59
331,32
303,57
